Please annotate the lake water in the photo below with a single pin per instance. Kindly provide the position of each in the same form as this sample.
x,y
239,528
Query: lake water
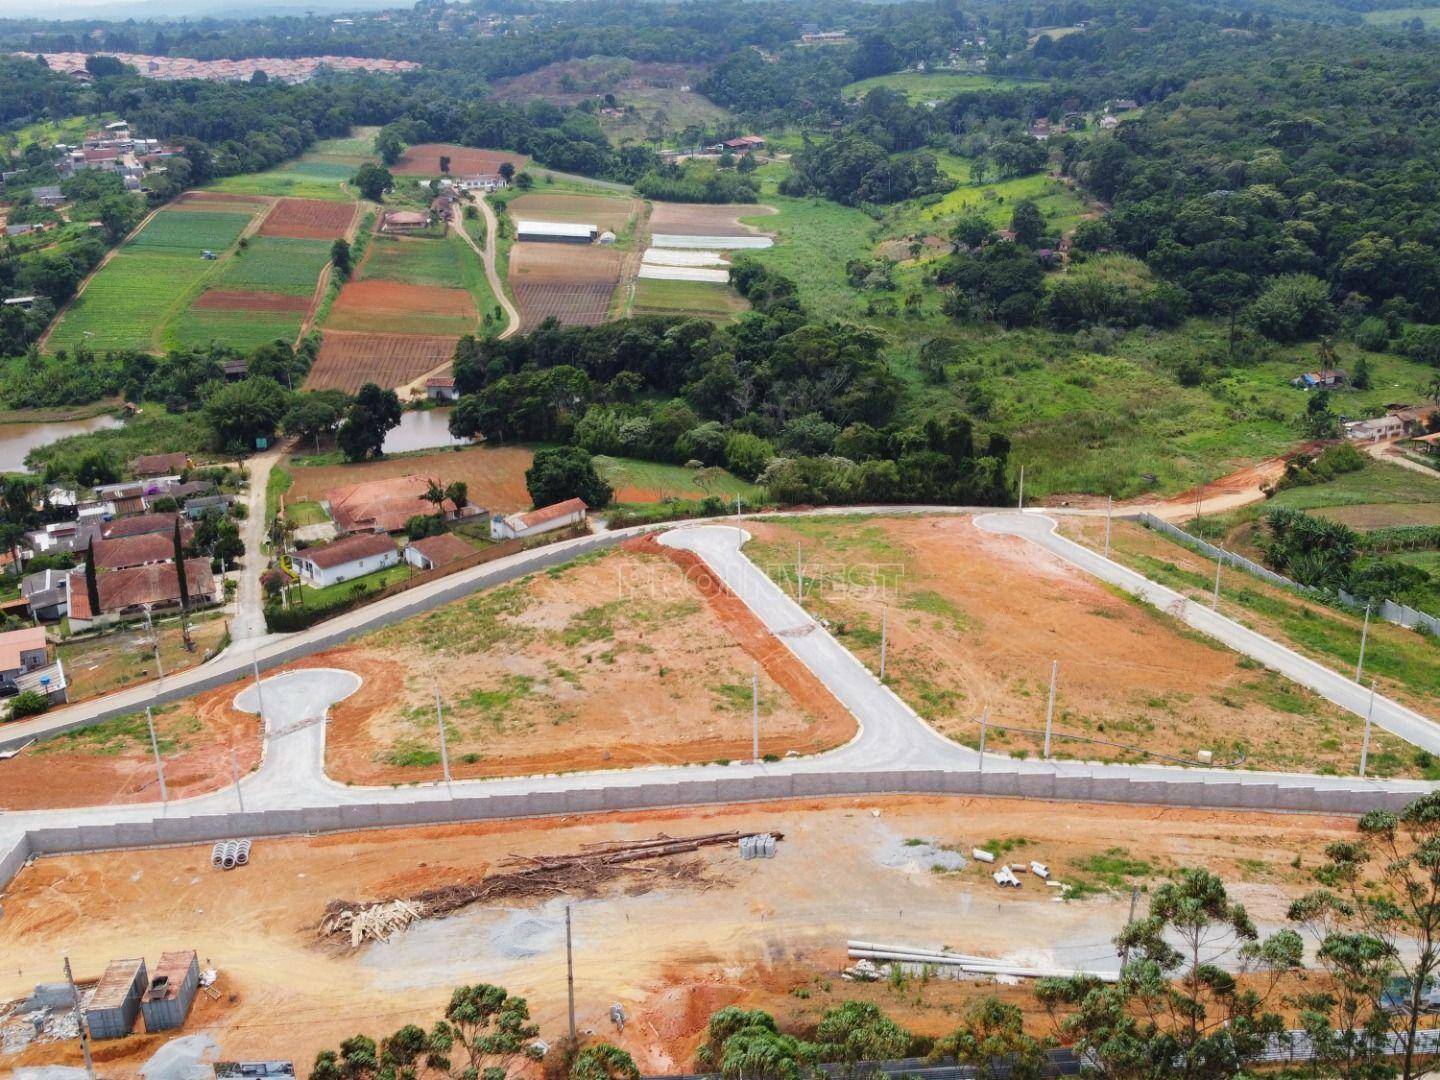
x,y
17,440
424,430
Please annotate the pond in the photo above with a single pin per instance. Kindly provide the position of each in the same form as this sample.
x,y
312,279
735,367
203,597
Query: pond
x,y
426,429
17,440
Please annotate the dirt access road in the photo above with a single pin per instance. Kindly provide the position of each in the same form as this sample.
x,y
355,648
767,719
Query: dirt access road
x,y
416,389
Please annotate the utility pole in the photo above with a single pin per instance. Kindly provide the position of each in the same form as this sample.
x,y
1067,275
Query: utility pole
x,y
799,577
1364,634
1215,599
570,973
155,641
444,750
755,713
235,776
1365,746
1050,708
259,694
1134,898
1109,510
155,747
1022,487
984,723
884,637
79,1020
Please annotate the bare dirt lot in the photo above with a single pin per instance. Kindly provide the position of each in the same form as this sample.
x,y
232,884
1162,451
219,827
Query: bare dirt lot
x,y
308,219
1369,516
762,933
348,361
423,159
494,475
374,306
221,200
617,215
696,219
240,300
630,658
976,619
112,762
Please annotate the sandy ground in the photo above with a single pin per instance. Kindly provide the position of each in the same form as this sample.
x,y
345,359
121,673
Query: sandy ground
x,y
613,661
754,933
112,762
976,620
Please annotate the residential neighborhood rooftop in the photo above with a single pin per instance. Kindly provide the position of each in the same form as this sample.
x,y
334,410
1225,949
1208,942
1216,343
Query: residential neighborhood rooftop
x,y
15,642
443,549
348,549
136,586
380,505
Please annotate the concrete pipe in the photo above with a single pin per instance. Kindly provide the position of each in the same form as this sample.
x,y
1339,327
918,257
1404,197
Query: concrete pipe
x,y
242,853
217,855
228,861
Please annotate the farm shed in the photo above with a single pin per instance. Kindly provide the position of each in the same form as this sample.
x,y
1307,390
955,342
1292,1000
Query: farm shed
x,y
555,232
110,1013
344,560
547,518
172,991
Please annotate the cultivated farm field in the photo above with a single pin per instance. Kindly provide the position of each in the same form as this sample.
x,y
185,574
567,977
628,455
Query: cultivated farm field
x,y
447,263
127,301
237,327
347,361
604,212
423,159
276,264
570,282
376,306
308,219
186,231
706,299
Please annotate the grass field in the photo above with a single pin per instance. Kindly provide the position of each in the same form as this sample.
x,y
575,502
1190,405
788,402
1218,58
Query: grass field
x,y
711,301
244,330
929,85
275,264
648,481
446,264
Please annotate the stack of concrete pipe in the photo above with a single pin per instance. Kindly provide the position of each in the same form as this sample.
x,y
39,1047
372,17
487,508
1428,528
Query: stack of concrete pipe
x,y
972,965
228,854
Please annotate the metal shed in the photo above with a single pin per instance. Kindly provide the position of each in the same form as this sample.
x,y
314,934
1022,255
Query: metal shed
x,y
172,991
555,232
110,1012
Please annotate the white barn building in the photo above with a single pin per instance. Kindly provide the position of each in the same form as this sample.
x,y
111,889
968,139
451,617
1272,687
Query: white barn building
x,y
547,518
346,559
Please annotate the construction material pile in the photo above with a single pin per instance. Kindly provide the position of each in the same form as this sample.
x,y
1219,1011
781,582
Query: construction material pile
x,y
872,955
529,877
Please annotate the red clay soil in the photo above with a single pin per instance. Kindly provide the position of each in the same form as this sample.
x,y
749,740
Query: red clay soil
x,y
240,300
308,219
347,361
753,636
423,159
35,780
376,295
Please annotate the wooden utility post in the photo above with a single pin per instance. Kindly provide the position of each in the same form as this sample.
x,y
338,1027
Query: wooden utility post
x,y
570,973
79,1020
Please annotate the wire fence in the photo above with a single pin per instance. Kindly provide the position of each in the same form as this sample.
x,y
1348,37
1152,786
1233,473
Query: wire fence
x,y
1391,612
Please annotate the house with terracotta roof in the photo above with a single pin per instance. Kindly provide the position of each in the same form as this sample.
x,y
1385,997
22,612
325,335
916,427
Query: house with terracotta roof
x,y
139,525
437,551
441,388
148,465
130,593
381,506
533,522
124,552
346,559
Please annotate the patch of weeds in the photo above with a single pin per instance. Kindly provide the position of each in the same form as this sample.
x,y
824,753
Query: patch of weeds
x,y
737,697
592,624
915,841
1005,845
409,755
1112,868
472,758
932,603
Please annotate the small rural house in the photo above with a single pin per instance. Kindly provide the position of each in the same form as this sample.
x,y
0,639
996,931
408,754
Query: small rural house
x,y
441,388
533,522
483,182
436,551
1329,379
346,559
1375,430
555,232
25,665
47,594
152,465
404,221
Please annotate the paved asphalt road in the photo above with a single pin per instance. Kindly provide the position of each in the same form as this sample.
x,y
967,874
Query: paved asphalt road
x,y
890,736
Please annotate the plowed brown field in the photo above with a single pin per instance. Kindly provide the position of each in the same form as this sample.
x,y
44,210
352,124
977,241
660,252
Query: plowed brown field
x,y
239,300
696,219
348,361
391,307
572,284
493,475
308,219
423,159
571,305
597,210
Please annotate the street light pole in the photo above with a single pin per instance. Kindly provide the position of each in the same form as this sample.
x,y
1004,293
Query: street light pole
x,y
155,748
1215,600
884,638
1050,708
1109,509
984,723
1365,746
1022,488
1364,635
755,713
444,750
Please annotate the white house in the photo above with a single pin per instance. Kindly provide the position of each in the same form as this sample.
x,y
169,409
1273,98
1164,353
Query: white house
x,y
345,560
483,182
1375,430
556,516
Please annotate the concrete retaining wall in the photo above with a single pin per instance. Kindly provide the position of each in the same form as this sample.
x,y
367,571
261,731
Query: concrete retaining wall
x,y
1001,781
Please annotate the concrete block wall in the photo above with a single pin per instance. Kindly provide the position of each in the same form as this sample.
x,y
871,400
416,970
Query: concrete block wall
x,y
995,782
